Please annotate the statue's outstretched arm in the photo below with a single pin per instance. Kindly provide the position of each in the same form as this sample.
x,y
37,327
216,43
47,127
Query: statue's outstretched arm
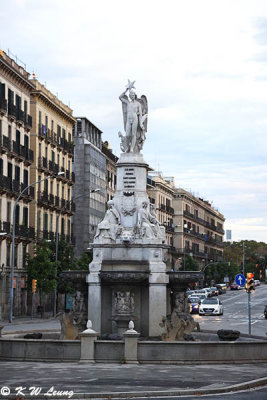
x,y
122,97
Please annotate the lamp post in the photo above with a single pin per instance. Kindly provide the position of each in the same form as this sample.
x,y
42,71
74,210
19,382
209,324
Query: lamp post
x,y
243,258
13,240
57,236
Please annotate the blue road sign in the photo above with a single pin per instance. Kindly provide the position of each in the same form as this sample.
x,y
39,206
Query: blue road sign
x,y
240,279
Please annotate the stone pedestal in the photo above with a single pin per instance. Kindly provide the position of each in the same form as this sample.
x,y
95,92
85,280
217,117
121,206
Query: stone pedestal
x,y
127,277
88,338
130,346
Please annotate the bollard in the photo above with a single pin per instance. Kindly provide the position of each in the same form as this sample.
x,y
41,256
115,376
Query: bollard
x,y
88,338
130,344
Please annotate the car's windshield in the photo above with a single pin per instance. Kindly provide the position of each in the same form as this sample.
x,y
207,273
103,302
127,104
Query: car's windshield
x,y
210,301
194,299
202,296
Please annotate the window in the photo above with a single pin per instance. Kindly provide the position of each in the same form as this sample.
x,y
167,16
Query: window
x,y
17,214
25,216
62,226
40,117
24,253
45,221
8,211
16,255
1,166
52,126
10,170
46,152
9,132
26,177
51,223
52,156
26,141
17,173
0,127
25,107
51,187
18,136
46,121
38,220
62,192
40,150
58,190
8,254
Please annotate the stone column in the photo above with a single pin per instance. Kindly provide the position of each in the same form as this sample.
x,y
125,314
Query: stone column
x,y
130,344
94,296
88,338
157,302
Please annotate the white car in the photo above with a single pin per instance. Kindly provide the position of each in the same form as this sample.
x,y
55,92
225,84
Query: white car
x,y
211,306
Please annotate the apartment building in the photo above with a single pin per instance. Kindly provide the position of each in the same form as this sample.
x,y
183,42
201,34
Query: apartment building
x,y
160,191
198,228
90,183
51,141
16,158
111,171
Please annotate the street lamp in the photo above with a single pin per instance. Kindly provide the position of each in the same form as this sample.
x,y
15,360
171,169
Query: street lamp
x,y
13,240
57,226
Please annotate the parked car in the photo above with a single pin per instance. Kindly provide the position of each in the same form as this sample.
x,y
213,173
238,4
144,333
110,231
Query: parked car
x,y
235,286
265,312
194,302
257,282
215,291
211,306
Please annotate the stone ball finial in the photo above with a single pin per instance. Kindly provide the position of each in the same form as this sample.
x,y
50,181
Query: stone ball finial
x,y
89,324
131,325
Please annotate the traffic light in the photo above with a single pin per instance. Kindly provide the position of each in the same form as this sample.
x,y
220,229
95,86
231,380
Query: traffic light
x,y
250,285
34,285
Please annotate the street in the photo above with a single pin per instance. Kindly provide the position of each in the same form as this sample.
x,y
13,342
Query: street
x,y
235,304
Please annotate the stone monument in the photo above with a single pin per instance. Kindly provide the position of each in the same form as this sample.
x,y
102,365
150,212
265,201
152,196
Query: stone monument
x,y
127,278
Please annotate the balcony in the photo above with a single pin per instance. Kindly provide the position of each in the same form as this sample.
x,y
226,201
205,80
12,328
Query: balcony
x,y
5,184
28,195
203,222
15,187
5,144
53,167
12,111
43,198
20,116
3,106
21,231
57,201
51,200
27,121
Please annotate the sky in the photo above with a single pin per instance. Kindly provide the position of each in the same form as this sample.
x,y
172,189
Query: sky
x,y
202,65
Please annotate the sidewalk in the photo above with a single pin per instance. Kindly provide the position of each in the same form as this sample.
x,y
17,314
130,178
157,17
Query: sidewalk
x,y
112,380
27,325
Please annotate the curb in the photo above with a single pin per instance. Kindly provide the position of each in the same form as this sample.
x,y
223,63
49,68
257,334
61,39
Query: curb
x,y
171,393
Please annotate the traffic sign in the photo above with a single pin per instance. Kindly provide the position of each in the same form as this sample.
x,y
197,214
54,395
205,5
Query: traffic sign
x,y
240,279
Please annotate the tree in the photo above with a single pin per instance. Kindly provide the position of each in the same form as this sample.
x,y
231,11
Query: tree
x,y
43,269
191,264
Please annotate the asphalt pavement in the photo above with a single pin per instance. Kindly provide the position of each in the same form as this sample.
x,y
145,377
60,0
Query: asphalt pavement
x,y
82,380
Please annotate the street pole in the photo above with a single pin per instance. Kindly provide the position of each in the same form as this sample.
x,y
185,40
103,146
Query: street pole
x,y
249,313
243,258
11,297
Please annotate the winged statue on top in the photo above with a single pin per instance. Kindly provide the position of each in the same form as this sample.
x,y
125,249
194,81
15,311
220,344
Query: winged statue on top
x,y
135,120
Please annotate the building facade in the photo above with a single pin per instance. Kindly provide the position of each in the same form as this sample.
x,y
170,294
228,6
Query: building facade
x,y
16,159
198,228
111,171
90,174
160,191
51,141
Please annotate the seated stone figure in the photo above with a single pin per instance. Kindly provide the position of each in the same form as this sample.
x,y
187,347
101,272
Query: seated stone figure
x,y
108,228
159,229
144,222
